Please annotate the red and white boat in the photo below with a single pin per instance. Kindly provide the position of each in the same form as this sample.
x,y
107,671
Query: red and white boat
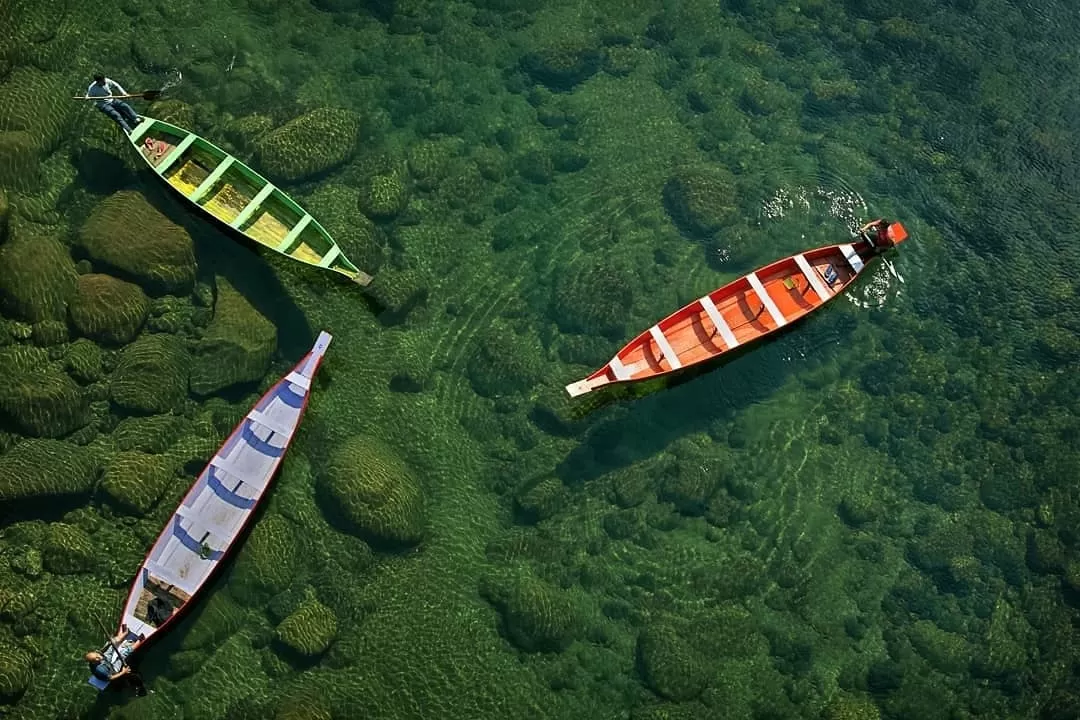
x,y
217,508
746,309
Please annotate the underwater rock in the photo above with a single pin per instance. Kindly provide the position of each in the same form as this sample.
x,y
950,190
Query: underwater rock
x,y
398,292
701,200
267,563
848,707
175,111
34,101
536,617
49,333
504,363
360,239
540,500
375,493
37,276
152,375
134,481
308,631
236,347
244,131
384,196
47,468
562,65
594,297
128,236
669,665
107,309
151,434
429,161
20,167
946,651
68,550
16,668
37,398
83,361
308,145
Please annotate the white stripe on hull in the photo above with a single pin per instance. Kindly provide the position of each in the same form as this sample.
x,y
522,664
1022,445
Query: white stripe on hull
x,y
812,277
766,300
718,321
620,371
852,257
665,347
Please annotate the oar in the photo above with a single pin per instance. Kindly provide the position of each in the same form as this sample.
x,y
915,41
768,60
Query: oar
x,y
115,648
145,95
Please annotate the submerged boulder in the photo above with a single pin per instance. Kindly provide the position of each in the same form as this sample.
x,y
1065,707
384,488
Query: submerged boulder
x,y
309,630
107,309
134,481
374,491
237,346
37,276
360,239
311,144
701,200
504,363
152,375
16,668
267,563
536,616
68,550
46,469
128,236
37,397
669,665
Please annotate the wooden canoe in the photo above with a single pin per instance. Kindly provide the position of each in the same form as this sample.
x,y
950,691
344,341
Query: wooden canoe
x,y
217,508
746,309
240,198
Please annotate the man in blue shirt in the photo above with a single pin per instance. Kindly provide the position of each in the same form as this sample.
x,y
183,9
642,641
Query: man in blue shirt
x,y
111,663
118,110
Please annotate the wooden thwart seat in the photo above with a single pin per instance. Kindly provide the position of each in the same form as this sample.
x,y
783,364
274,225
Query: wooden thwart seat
x,y
177,151
718,321
213,177
666,351
288,241
852,257
252,206
766,300
812,277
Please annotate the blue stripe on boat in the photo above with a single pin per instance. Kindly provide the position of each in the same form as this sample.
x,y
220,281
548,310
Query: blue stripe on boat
x,y
260,446
191,543
289,396
214,482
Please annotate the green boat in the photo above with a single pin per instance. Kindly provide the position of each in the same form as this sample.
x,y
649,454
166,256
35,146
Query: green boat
x,y
237,196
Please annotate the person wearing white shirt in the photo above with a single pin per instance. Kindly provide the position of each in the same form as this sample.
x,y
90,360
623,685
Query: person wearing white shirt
x,y
118,110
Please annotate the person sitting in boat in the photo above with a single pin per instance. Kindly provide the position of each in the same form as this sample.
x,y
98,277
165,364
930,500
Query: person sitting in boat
x,y
882,234
107,664
118,110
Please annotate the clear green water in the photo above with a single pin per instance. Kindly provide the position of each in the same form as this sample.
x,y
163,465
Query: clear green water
x,y
872,515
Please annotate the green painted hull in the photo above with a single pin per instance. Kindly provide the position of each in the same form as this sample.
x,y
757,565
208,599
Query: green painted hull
x,y
232,193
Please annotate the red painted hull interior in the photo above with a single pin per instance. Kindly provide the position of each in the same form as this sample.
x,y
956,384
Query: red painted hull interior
x,y
737,314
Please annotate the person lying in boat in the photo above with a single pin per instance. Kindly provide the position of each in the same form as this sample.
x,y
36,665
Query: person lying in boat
x,y
106,664
118,110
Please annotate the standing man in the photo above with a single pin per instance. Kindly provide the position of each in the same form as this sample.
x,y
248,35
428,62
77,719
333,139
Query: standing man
x,y
118,110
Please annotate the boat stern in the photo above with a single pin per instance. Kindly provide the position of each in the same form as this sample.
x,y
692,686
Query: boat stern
x,y
578,388
896,233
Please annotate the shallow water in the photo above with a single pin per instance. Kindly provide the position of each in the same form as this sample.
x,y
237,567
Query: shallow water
x,y
870,515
